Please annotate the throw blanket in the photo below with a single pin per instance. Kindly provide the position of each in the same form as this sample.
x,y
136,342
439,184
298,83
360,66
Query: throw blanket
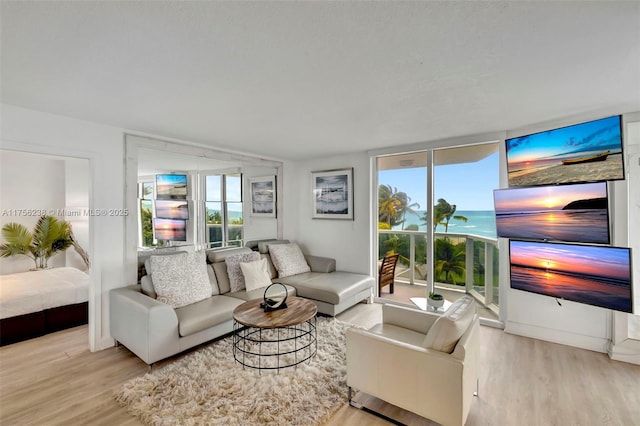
x,y
35,291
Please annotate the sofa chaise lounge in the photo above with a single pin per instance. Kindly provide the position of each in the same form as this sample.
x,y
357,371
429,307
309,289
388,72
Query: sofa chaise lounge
x,y
153,329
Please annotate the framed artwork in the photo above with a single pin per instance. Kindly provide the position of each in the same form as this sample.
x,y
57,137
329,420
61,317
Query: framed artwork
x,y
263,196
332,194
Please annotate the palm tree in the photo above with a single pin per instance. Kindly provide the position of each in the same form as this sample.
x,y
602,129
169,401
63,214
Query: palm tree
x,y
387,205
449,259
393,205
443,212
405,206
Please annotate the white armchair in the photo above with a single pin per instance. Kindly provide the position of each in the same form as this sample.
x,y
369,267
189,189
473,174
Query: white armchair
x,y
419,361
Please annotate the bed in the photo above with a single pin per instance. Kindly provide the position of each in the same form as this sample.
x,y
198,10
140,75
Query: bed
x,y
36,303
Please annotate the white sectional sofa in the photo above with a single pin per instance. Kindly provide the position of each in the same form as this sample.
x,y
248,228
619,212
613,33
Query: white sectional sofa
x,y
155,330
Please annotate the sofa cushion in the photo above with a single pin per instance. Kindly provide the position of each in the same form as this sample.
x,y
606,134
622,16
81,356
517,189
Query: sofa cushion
x,y
236,279
220,254
273,273
333,288
448,328
255,274
222,277
205,314
180,279
213,280
259,293
288,259
263,246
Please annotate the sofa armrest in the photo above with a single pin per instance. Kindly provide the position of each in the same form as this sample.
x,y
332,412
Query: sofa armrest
x,y
413,319
321,264
148,328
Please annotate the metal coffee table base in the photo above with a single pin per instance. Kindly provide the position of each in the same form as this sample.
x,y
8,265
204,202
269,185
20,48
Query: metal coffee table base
x,y
274,348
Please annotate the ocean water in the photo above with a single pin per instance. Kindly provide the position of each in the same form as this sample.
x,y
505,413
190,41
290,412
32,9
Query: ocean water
x,y
480,222
587,226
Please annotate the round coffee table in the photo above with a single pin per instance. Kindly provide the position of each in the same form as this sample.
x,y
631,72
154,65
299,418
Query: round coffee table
x,y
276,339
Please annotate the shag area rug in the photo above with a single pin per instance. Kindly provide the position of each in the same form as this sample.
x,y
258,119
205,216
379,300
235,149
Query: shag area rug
x,y
208,387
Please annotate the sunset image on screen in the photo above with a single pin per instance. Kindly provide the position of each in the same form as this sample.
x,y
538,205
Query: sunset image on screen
x,y
571,213
597,275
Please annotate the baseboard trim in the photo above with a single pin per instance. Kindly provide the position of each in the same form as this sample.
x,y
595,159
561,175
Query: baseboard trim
x,y
591,343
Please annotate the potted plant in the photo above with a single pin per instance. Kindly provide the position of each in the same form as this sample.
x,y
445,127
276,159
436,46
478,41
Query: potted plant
x,y
435,300
49,237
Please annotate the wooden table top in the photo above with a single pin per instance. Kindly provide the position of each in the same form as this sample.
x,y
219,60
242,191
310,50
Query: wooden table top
x,y
298,311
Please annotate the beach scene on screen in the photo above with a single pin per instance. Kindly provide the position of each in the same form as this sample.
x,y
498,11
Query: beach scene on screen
x,y
572,213
585,152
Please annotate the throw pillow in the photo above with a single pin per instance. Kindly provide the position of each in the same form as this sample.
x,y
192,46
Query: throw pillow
x,y
288,259
236,279
448,328
255,274
179,280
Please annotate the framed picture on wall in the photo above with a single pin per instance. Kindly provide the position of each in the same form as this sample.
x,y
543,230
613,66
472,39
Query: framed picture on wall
x,y
332,194
263,196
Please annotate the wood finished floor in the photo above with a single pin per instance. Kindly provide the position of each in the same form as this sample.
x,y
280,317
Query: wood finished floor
x,y
55,380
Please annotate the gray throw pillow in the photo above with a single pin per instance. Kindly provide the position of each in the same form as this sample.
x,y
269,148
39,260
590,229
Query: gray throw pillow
x,y
236,279
180,279
288,259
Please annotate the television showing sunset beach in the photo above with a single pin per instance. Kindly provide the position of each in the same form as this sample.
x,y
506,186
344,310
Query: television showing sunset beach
x,y
585,152
595,275
571,213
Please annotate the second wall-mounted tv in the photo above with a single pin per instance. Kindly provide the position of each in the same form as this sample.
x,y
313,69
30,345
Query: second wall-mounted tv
x,y
572,213
172,209
594,275
584,152
171,187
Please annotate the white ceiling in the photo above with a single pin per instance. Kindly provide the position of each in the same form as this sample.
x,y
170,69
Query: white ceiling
x,y
296,80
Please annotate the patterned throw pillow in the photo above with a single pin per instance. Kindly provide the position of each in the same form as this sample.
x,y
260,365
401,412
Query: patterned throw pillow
x,y
256,274
236,279
180,279
288,259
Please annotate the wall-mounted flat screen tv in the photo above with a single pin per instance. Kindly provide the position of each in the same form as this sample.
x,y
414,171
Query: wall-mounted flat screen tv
x,y
172,209
170,229
573,213
171,187
585,152
594,275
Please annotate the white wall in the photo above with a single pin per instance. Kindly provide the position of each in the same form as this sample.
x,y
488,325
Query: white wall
x,y
76,203
29,182
33,131
345,240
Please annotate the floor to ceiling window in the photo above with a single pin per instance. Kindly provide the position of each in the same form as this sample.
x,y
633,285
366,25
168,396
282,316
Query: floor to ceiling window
x,y
438,216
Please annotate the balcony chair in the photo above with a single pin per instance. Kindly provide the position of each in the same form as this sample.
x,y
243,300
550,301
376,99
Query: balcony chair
x,y
419,361
387,272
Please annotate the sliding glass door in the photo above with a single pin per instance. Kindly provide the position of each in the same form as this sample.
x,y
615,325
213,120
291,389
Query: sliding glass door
x,y
435,209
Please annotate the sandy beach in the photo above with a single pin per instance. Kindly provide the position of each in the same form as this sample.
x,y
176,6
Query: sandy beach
x,y
609,169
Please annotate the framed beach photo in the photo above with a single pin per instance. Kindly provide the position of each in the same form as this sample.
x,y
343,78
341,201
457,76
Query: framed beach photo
x,y
263,196
332,194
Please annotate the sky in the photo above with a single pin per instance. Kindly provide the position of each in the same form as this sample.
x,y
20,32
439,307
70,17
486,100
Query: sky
x,y
469,186
580,137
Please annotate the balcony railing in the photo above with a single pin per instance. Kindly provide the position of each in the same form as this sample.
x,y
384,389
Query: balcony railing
x,y
465,262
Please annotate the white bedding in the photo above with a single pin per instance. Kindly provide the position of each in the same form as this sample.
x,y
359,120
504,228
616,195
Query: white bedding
x,y
34,291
